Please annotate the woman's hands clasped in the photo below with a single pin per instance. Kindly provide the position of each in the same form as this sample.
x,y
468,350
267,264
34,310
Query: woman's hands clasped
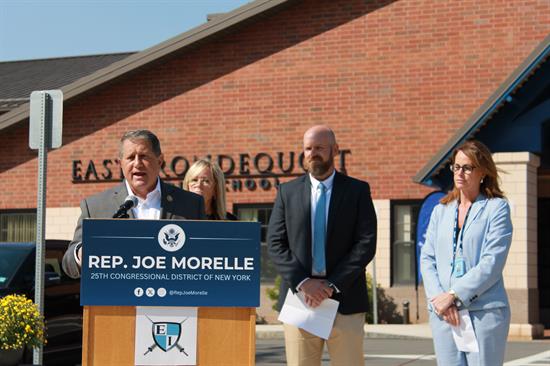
x,y
444,306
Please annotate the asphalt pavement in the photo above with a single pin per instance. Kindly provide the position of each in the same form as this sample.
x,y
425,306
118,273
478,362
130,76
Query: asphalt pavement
x,y
401,331
397,345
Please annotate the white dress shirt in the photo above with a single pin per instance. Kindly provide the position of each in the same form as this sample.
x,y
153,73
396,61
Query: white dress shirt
x,y
313,205
315,197
148,208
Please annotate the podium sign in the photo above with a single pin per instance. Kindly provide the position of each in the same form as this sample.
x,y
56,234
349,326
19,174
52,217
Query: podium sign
x,y
170,263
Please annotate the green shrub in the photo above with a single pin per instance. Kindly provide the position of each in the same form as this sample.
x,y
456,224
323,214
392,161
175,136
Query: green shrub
x,y
273,292
387,309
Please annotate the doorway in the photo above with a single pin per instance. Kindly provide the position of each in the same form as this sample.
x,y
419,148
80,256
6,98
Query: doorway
x,y
544,260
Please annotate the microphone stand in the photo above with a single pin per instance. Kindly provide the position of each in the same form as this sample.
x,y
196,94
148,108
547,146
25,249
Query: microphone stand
x,y
121,215
122,212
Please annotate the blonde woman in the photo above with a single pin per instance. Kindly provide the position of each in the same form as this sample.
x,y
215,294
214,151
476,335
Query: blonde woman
x,y
206,179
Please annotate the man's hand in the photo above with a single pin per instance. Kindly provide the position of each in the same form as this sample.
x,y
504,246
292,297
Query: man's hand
x,y
451,316
79,257
315,291
442,302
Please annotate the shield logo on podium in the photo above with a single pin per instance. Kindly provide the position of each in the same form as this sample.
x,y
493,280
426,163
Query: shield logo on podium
x,y
166,335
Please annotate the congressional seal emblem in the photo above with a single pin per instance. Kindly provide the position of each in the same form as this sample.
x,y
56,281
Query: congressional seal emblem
x,y
171,237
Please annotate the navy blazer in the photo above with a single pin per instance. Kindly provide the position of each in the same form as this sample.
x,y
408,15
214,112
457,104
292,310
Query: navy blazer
x,y
486,241
350,239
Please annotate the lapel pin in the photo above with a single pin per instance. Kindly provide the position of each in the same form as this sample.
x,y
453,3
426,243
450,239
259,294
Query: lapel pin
x,y
169,198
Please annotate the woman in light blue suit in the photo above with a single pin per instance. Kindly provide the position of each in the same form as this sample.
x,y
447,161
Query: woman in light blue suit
x,y
466,246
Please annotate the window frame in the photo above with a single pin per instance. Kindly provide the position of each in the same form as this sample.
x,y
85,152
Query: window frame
x,y
414,223
15,212
263,243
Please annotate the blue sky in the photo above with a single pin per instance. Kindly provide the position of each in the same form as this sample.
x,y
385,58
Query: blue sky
x,y
34,29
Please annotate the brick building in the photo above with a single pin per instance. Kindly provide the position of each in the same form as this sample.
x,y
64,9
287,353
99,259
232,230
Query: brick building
x,y
400,82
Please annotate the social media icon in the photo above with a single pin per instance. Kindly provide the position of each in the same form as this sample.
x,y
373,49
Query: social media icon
x,y
150,292
138,291
161,292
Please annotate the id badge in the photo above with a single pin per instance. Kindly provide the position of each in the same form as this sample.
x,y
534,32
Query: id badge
x,y
460,267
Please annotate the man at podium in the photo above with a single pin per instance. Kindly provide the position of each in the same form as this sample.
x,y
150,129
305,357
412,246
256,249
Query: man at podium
x,y
142,195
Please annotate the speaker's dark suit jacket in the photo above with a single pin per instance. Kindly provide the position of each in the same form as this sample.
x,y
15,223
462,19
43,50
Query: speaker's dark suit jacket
x,y
350,239
175,203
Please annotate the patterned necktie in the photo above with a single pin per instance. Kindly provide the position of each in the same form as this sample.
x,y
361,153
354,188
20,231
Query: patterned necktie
x,y
319,232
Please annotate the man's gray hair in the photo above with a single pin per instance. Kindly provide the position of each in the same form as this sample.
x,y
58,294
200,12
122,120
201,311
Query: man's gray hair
x,y
141,135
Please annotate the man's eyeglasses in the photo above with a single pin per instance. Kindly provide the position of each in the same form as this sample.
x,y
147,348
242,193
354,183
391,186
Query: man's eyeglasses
x,y
467,169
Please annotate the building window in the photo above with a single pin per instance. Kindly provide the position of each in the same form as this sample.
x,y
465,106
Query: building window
x,y
260,213
404,215
17,226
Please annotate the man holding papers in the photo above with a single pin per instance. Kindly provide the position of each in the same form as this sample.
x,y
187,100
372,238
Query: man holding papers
x,y
322,235
148,197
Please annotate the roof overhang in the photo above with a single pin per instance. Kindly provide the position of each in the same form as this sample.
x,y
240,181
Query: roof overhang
x,y
501,96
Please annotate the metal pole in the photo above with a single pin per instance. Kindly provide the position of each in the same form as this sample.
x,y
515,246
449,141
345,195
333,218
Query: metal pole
x,y
374,293
417,306
406,312
45,133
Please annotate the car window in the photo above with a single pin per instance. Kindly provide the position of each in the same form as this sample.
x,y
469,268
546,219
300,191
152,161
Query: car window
x,y
10,260
54,257
52,265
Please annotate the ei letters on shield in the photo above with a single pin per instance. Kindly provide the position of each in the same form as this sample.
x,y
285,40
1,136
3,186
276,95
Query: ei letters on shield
x,y
166,336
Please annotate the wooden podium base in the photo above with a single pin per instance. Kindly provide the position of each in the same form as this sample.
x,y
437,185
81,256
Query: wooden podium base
x,y
226,336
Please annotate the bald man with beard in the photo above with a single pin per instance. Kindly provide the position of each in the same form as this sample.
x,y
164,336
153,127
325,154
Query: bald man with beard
x,y
321,236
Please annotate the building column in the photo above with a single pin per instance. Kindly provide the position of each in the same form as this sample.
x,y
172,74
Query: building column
x,y
518,173
61,222
382,257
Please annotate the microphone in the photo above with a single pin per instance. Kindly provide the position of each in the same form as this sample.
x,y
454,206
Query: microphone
x,y
122,212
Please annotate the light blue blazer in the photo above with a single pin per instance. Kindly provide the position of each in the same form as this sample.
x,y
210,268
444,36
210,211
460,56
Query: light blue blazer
x,y
486,242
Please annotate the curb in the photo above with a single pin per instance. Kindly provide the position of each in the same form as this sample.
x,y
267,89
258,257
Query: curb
x,y
369,335
270,334
374,335
276,332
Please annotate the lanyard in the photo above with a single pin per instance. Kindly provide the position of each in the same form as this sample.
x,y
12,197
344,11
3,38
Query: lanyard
x,y
457,242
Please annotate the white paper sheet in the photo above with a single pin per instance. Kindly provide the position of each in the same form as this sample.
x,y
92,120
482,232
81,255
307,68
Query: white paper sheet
x,y
317,321
464,335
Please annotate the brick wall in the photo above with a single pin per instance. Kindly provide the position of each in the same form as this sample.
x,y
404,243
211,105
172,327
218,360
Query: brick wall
x,y
394,79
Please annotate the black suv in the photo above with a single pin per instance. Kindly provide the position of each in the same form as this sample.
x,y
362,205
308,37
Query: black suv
x,y
62,308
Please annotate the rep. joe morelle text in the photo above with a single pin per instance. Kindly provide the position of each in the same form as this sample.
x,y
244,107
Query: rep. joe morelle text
x,y
161,262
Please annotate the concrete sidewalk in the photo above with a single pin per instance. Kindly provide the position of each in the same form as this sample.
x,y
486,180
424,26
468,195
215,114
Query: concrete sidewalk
x,y
396,331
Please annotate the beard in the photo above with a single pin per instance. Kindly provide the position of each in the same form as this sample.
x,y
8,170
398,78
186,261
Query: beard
x,y
318,167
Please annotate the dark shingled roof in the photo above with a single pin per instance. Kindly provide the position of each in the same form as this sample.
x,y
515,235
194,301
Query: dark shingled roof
x,y
19,78
219,25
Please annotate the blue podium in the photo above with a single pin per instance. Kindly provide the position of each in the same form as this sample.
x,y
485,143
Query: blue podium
x,y
213,265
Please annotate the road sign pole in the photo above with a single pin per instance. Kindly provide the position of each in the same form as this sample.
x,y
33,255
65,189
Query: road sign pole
x,y
45,134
